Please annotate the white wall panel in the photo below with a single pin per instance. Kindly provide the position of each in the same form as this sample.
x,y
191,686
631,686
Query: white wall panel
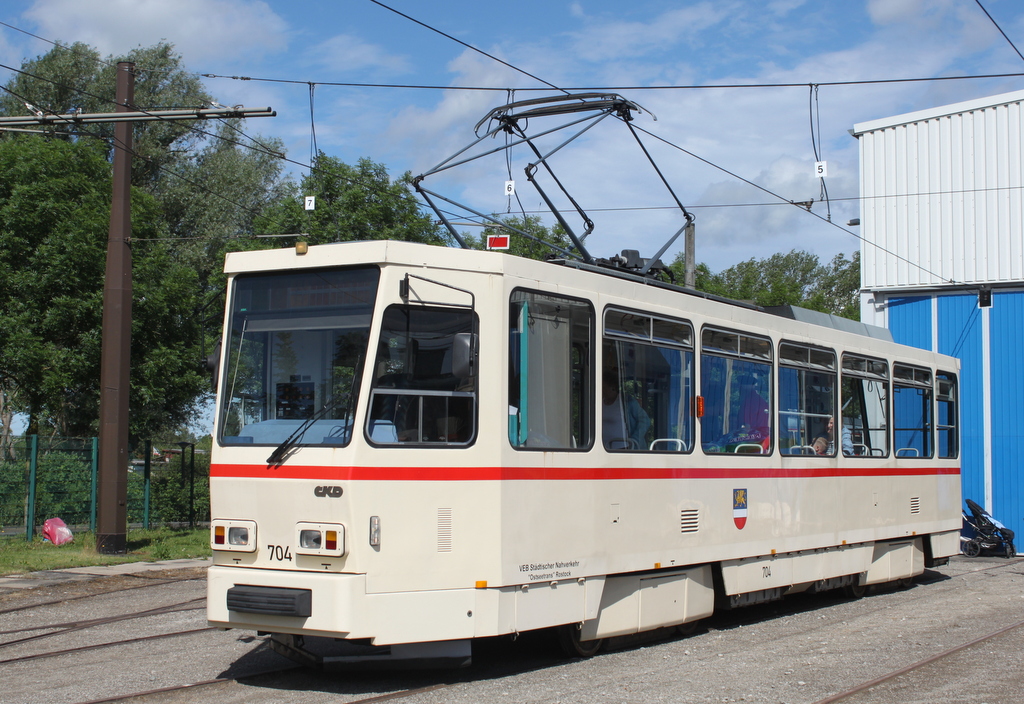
x,y
942,195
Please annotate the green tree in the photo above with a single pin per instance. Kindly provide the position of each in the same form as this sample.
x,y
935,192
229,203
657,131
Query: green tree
x,y
837,290
74,78
54,220
352,203
781,279
215,196
796,278
703,278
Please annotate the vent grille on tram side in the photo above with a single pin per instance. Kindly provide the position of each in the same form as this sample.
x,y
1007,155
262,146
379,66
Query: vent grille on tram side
x,y
688,520
444,530
915,504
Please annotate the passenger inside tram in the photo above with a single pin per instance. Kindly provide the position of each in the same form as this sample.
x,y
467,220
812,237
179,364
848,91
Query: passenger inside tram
x,y
826,444
624,422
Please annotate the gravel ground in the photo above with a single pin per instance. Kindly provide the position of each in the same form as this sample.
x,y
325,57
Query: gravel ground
x,y
801,650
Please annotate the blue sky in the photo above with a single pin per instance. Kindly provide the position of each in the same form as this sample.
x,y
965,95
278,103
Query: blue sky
x,y
761,134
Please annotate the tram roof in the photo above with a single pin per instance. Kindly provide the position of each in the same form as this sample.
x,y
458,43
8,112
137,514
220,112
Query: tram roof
x,y
341,253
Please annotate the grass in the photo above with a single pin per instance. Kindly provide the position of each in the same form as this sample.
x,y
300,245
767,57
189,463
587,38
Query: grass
x,y
19,556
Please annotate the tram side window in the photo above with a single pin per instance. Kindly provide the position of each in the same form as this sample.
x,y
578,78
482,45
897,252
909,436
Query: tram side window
x,y
946,420
550,378
807,400
646,383
424,378
864,396
735,382
912,411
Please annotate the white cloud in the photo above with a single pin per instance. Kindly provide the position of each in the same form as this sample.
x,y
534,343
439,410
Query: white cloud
x,y
602,40
886,12
224,31
345,53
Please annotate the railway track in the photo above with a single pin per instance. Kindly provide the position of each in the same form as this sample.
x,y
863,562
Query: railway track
x,y
61,628
226,681
100,646
846,695
871,684
800,625
98,592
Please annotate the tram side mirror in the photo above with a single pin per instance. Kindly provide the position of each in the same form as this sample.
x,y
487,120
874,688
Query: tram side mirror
x,y
463,345
212,364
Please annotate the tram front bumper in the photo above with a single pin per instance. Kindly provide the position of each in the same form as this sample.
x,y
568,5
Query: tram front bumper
x,y
338,606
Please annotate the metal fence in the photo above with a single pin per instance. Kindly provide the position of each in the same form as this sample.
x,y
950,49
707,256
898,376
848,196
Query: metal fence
x,y
47,477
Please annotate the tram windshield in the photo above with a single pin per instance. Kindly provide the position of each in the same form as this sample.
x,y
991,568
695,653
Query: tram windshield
x,y
295,353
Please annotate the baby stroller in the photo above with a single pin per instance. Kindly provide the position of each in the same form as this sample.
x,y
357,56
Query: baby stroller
x,y
981,532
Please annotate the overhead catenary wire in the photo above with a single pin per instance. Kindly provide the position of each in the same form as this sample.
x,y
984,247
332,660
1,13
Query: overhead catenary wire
x,y
565,90
311,167
313,151
468,46
776,195
356,182
996,24
815,116
113,141
619,89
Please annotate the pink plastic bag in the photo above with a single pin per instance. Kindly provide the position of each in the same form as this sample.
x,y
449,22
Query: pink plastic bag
x,y
56,532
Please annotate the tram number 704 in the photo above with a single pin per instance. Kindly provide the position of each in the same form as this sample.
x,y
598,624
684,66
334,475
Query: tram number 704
x,y
281,553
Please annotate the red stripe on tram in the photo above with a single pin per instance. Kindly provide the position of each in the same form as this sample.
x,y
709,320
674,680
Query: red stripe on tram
x,y
455,474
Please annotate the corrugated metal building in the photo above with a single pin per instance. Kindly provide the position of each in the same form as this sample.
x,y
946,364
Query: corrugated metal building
x,y
942,217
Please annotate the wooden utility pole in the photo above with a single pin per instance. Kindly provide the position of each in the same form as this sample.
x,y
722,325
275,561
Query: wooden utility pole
x,y
115,365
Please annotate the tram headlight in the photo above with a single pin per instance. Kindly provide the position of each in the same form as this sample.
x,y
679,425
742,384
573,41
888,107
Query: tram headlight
x,y
310,539
236,535
324,539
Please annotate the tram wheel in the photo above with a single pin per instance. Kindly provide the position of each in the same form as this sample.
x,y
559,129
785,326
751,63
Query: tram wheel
x,y
572,646
972,548
855,591
905,583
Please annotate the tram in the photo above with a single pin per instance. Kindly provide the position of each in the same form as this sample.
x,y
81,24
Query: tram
x,y
418,446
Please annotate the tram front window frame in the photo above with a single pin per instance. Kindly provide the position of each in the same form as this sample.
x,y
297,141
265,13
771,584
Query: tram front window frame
x,y
424,378
295,351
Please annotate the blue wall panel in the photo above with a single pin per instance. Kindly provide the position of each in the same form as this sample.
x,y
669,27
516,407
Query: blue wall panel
x,y
959,323
1006,334
910,321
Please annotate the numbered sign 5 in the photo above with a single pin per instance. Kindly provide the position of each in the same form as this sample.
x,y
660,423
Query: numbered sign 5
x,y
821,169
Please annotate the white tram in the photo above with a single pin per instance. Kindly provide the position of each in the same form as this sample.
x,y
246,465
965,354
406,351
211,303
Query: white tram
x,y
417,446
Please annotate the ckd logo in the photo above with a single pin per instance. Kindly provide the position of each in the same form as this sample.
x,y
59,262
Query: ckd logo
x,y
330,491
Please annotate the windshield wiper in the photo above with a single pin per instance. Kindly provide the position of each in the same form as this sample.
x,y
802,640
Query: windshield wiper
x,y
283,451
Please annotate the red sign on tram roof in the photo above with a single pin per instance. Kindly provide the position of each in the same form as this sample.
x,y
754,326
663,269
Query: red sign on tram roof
x,y
497,241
